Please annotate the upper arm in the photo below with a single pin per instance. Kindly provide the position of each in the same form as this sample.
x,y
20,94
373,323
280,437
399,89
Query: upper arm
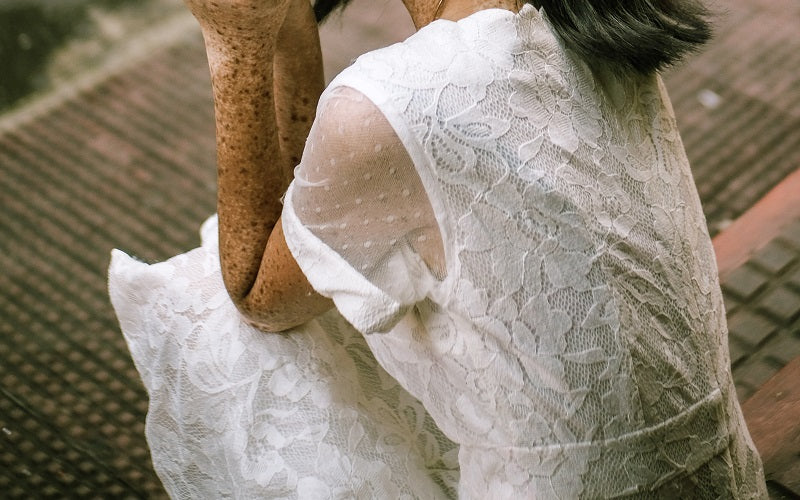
x,y
360,202
358,217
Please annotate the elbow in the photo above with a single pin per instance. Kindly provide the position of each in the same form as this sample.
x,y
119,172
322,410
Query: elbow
x,y
265,319
277,304
280,313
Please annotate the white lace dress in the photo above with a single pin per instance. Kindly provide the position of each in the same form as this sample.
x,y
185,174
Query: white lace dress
x,y
518,241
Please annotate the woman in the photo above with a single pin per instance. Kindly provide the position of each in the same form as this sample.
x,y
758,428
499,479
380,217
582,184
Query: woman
x,y
502,206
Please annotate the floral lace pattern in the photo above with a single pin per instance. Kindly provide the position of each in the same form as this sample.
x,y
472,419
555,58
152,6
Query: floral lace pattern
x,y
237,413
576,344
519,240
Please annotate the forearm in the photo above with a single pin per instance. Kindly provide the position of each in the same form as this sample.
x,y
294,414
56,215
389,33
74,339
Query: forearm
x,y
299,82
249,164
267,79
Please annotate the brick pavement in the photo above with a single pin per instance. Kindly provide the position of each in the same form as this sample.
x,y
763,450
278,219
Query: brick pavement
x,y
126,159
764,310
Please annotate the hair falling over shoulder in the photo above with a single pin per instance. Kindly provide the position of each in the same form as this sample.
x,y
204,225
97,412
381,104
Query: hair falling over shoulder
x,y
631,35
642,36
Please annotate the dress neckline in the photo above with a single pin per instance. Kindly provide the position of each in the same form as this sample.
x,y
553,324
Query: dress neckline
x,y
493,13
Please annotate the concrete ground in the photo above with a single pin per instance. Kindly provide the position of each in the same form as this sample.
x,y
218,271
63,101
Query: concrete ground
x,y
122,155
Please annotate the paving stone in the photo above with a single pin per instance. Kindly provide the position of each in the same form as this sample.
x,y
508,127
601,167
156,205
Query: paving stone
x,y
743,391
793,278
782,348
782,303
730,302
744,282
791,234
754,372
750,328
774,257
738,350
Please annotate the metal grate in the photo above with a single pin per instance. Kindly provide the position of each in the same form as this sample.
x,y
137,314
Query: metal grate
x,y
129,164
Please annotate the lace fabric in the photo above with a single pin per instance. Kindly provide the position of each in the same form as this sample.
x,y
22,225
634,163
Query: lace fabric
x,y
356,190
237,413
579,318
517,239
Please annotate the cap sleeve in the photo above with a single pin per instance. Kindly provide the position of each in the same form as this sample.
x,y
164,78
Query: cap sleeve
x,y
357,218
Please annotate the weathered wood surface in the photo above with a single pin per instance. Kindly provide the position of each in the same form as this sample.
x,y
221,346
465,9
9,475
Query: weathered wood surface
x,y
773,417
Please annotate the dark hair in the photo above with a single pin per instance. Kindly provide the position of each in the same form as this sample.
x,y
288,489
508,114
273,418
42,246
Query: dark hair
x,y
631,35
324,7
639,35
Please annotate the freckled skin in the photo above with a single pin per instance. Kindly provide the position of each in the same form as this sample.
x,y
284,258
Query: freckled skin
x,y
266,75
266,72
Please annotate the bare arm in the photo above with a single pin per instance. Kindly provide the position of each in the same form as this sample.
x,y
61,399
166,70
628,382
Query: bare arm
x,y
266,75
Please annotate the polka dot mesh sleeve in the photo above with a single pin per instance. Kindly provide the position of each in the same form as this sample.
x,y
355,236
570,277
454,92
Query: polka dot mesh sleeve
x,y
357,217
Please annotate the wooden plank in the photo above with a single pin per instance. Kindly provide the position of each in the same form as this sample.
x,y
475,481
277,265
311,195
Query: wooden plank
x,y
773,417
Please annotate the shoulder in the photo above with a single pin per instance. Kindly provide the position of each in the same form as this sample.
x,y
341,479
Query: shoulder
x,y
429,50
346,116
350,133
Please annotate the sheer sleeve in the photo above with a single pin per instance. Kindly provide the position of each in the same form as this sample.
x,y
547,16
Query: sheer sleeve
x,y
357,218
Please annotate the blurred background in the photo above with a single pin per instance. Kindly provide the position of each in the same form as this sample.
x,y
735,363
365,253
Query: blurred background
x,y
44,44
107,140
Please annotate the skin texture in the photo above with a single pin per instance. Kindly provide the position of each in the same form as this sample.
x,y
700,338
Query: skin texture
x,y
266,74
